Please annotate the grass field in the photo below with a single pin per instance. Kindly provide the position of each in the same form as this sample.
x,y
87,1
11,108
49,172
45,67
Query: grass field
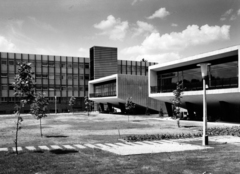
x,y
100,128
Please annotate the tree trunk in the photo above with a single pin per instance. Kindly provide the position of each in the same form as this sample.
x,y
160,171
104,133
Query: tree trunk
x,y
16,139
41,127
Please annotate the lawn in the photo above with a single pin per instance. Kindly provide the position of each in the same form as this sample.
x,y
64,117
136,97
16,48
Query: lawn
x,y
222,159
78,128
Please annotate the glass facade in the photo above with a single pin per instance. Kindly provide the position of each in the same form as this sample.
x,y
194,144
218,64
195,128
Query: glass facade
x,y
222,73
105,89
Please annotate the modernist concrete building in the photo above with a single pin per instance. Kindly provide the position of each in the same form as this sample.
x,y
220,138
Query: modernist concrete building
x,y
58,76
223,92
116,80
64,76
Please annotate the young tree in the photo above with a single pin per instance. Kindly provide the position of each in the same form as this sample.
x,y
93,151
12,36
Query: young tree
x,y
39,108
176,101
129,106
88,104
24,87
72,102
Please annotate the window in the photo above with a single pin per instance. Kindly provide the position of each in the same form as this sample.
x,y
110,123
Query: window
x,y
51,63
81,77
4,87
69,65
86,66
75,77
81,65
4,62
11,62
4,74
86,77
51,76
38,75
45,76
63,65
44,63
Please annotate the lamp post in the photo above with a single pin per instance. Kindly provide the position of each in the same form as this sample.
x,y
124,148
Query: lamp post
x,y
204,71
55,104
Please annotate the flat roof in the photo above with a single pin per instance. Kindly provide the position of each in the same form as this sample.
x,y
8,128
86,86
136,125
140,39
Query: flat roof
x,y
226,52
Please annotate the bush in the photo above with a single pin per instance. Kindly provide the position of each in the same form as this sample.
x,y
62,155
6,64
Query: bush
x,y
232,131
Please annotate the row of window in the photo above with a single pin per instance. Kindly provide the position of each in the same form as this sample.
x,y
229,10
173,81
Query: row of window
x,y
50,64
51,88
220,74
57,76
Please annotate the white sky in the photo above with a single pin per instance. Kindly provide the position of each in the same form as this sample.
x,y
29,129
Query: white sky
x,y
152,29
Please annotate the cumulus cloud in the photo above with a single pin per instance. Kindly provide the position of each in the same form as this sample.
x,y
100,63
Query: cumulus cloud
x,y
143,28
174,25
114,28
161,13
6,45
156,44
238,12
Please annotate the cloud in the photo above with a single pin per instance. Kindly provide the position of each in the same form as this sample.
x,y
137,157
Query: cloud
x,y
230,14
161,13
155,44
114,28
161,58
135,1
83,52
6,45
174,25
42,25
143,28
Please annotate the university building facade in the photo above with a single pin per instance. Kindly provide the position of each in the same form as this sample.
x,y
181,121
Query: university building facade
x,y
62,76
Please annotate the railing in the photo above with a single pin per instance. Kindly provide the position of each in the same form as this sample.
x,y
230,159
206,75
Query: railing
x,y
194,86
103,94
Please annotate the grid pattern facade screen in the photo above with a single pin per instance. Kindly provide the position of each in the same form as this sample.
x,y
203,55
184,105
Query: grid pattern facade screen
x,y
59,76
103,62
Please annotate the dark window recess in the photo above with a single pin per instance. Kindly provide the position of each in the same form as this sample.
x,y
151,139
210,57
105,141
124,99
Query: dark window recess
x,y
81,77
4,62
86,77
44,63
45,75
51,63
11,62
38,75
63,65
4,74
86,66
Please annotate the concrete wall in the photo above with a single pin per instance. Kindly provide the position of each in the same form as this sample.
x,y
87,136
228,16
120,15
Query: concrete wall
x,y
137,88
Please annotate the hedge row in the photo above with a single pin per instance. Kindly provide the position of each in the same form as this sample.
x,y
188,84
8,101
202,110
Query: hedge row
x,y
234,131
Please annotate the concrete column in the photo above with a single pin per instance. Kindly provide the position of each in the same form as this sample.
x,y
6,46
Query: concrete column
x,y
190,107
101,106
122,107
169,109
110,108
224,107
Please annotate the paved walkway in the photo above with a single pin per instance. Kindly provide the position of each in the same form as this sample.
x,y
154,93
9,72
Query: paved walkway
x,y
133,148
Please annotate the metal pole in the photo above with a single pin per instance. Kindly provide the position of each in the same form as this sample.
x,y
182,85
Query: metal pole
x,y
205,137
55,104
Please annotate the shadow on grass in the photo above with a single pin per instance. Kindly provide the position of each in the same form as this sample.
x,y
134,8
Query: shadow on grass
x,y
38,151
56,136
189,126
63,151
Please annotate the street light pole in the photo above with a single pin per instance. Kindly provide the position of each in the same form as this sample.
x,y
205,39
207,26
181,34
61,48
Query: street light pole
x,y
55,104
204,71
